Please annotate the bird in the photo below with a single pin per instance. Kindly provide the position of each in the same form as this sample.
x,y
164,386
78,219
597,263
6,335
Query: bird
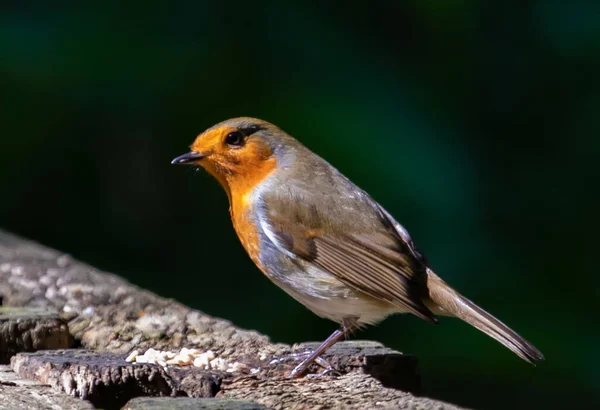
x,y
325,241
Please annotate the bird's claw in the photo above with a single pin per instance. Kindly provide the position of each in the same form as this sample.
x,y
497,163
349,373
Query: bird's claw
x,y
302,368
330,371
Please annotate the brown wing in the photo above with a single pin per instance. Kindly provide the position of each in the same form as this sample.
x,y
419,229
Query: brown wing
x,y
378,263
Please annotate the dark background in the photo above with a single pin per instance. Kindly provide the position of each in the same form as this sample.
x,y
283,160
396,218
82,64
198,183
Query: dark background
x,y
475,124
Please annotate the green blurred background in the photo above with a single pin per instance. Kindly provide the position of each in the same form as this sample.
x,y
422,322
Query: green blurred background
x,y
475,124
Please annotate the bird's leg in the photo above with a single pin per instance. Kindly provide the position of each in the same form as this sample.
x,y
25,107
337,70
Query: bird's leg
x,y
301,369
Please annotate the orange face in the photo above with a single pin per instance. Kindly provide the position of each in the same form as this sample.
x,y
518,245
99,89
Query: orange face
x,y
237,158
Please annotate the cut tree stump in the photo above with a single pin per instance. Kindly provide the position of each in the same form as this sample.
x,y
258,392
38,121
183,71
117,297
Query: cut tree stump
x,y
17,393
108,381
109,318
29,329
104,379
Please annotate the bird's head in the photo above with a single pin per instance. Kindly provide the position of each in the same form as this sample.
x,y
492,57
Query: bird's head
x,y
239,153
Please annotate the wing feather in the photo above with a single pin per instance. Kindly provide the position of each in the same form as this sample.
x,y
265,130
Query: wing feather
x,y
377,262
369,273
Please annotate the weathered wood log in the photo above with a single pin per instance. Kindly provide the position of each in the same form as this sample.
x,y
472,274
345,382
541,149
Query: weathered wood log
x,y
108,381
28,330
107,315
354,390
17,393
184,403
393,369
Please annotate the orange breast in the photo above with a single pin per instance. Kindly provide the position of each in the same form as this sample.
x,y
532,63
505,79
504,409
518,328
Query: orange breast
x,y
242,188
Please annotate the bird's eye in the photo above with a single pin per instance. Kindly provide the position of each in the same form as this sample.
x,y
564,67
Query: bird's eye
x,y
234,139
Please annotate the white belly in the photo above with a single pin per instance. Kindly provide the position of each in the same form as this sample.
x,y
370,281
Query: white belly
x,y
329,298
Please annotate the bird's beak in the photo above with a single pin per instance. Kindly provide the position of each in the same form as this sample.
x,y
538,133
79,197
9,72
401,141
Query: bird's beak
x,y
188,158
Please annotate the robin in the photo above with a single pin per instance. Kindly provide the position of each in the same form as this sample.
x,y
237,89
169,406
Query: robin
x,y
324,240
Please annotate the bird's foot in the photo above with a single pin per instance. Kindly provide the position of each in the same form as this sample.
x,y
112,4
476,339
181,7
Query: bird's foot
x,y
302,368
330,371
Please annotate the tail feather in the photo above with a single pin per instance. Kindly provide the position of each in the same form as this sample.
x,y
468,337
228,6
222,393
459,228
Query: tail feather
x,y
447,301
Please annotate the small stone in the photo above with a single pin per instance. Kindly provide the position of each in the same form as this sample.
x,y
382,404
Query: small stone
x,y
63,261
176,361
88,311
45,280
238,367
50,293
132,356
201,362
136,339
141,359
219,364
17,270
